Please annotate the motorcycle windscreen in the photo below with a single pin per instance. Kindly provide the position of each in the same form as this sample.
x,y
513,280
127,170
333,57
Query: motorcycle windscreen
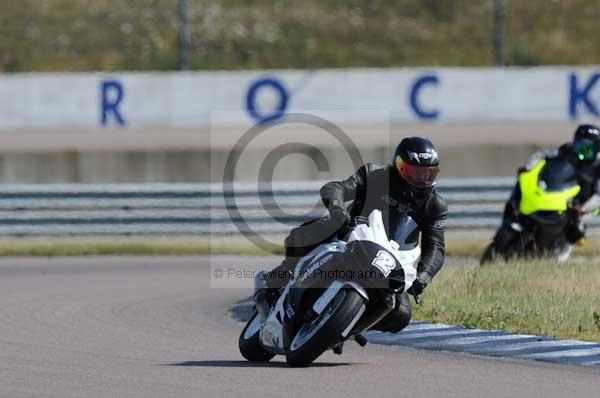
x,y
557,175
404,231
370,248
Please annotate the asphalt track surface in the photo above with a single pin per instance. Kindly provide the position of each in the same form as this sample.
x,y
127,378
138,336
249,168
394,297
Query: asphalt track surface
x,y
154,327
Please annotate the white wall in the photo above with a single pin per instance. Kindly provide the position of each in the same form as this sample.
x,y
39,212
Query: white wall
x,y
191,99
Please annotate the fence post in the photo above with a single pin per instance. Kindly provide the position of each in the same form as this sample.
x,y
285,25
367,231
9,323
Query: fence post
x,y
184,35
499,32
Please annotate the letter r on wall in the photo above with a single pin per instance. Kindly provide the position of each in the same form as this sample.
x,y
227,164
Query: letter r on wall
x,y
112,94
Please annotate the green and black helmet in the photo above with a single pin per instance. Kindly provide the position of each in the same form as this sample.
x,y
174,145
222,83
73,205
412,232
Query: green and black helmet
x,y
586,143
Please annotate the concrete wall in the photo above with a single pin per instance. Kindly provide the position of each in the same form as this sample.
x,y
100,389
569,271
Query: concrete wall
x,y
358,96
136,127
207,166
199,155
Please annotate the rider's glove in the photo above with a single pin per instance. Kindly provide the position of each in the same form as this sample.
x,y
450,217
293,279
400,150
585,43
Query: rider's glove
x,y
576,211
338,213
423,279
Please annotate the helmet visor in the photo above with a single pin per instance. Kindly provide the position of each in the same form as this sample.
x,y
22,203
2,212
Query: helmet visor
x,y
585,150
419,176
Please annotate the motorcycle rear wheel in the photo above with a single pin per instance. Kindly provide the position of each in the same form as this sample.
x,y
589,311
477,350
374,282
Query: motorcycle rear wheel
x,y
249,342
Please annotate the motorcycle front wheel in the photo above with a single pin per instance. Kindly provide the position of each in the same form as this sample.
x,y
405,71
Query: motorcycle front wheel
x,y
489,256
315,337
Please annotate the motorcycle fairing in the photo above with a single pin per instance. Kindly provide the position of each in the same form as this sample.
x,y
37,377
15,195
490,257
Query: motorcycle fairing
x,y
375,232
592,206
272,332
310,262
535,195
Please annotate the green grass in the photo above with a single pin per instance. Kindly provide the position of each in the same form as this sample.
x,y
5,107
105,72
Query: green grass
x,y
190,245
474,247
540,298
107,246
465,246
162,246
77,35
89,249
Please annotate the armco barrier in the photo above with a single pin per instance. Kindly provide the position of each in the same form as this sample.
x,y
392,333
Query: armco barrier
x,y
202,209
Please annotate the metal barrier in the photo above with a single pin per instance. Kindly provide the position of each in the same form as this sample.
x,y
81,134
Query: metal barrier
x,y
206,209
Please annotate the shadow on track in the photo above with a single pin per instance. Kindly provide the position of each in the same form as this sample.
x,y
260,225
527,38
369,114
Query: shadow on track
x,y
246,364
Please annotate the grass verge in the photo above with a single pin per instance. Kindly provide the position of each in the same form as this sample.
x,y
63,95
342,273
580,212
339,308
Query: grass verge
x,y
98,246
193,245
474,247
111,35
540,298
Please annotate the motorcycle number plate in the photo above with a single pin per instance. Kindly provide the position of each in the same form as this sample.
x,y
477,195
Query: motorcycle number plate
x,y
384,262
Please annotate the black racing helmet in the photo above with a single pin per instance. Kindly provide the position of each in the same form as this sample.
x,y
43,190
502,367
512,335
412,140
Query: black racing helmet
x,y
416,160
586,143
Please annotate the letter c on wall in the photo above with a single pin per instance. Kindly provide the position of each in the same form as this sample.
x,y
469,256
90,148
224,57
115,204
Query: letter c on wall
x,y
414,97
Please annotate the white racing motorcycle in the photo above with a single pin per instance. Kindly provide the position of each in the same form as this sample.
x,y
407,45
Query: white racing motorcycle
x,y
338,290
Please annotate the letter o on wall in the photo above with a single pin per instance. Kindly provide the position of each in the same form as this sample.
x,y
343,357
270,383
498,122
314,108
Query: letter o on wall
x,y
275,85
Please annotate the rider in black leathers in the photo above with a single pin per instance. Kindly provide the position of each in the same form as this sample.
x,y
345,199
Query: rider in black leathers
x,y
583,154
406,186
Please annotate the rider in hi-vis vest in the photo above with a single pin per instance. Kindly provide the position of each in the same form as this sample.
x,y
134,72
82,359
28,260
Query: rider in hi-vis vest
x,y
582,156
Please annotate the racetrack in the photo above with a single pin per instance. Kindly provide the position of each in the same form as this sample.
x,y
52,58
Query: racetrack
x,y
153,327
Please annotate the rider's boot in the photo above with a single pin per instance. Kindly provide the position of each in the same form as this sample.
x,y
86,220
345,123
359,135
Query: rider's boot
x,y
267,287
264,296
398,318
338,348
361,340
